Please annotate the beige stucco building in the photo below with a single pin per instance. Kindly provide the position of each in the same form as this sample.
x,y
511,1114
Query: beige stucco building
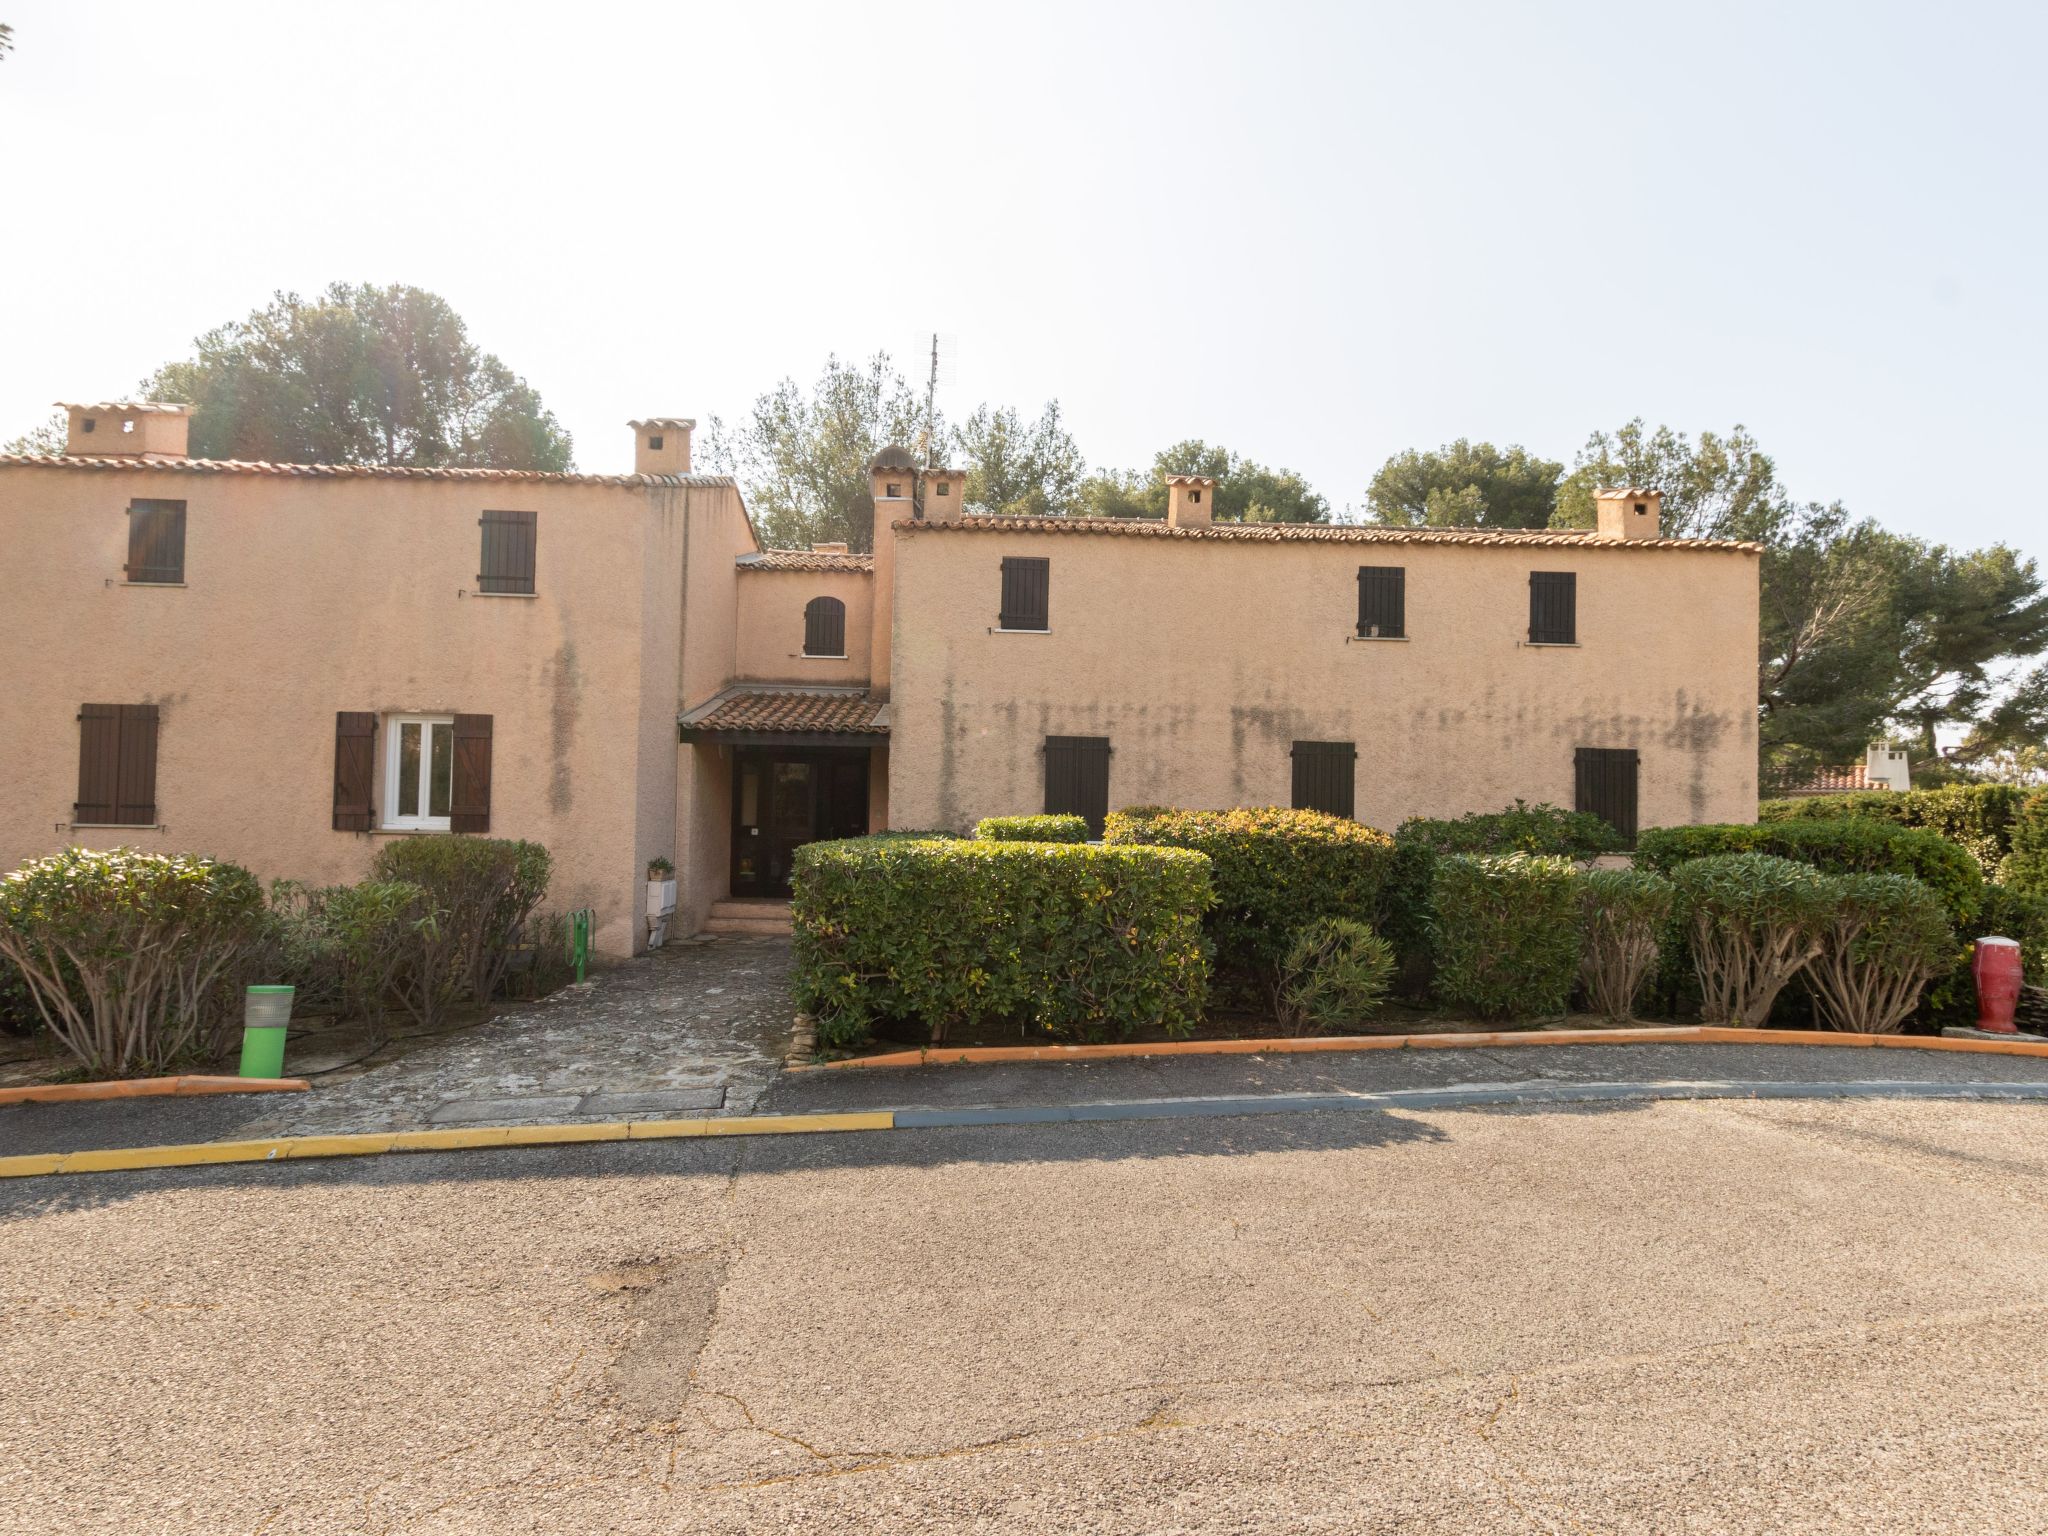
x,y
284,665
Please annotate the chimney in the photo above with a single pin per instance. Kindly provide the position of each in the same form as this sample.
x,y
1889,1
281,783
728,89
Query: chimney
x,y
1885,765
1628,513
1190,501
661,445
839,548
128,429
943,490
892,476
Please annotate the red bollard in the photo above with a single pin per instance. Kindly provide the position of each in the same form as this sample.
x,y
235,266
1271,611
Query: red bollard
x,y
1997,970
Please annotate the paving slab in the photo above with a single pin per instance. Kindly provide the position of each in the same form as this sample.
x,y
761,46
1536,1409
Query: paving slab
x,y
505,1111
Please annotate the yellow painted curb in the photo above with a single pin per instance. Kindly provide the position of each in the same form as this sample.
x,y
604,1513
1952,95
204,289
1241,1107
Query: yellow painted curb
x,y
466,1138
1288,1045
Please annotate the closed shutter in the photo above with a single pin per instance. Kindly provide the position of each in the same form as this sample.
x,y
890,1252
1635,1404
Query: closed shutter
x,y
825,627
1606,786
116,765
355,741
1323,776
1027,589
1077,778
469,805
508,551
156,541
1553,608
1382,601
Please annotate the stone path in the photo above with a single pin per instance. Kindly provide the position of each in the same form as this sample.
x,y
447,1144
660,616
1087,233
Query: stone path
x,y
698,1027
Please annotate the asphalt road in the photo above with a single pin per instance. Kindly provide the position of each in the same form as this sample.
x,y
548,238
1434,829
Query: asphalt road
x,y
1677,1317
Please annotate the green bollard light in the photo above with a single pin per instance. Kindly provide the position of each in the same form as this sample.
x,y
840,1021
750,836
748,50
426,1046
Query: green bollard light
x,y
265,1013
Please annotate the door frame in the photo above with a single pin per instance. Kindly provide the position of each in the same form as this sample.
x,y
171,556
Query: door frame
x,y
825,812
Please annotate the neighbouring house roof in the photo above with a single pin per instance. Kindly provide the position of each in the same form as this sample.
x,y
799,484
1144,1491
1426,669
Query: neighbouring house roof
x,y
1834,781
768,710
1306,533
161,466
804,560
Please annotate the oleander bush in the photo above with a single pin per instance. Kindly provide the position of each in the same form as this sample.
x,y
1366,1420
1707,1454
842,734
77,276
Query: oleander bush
x,y
1032,829
1076,940
1274,872
1978,817
1844,846
1752,922
1882,939
357,949
1625,912
1334,975
127,955
481,891
1521,828
1506,932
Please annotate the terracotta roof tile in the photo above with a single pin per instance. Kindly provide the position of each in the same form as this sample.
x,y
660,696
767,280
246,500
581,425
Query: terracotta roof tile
x,y
772,710
805,560
343,471
1834,781
1307,533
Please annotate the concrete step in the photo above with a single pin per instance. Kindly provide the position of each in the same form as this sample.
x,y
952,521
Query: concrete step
x,y
747,915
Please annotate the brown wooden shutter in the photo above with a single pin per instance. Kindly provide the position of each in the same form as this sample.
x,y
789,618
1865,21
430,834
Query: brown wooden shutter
x,y
1324,775
1027,592
355,753
116,765
1077,778
1553,608
1383,601
509,542
1606,781
825,627
156,541
469,804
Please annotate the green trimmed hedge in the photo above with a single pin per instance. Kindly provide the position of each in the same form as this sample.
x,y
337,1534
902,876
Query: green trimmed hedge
x,y
1507,933
1275,871
1521,828
1843,846
2025,869
1077,940
1978,817
1032,829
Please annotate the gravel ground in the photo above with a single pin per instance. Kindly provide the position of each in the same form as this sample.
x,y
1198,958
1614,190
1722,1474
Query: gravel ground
x,y
1701,1317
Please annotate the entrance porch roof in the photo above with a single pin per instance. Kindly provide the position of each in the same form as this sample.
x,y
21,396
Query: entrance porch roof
x,y
754,714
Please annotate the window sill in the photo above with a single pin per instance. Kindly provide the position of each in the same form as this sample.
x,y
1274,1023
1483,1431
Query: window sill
x,y
115,826
409,831
1548,645
1046,631
527,596
175,585
807,656
1377,639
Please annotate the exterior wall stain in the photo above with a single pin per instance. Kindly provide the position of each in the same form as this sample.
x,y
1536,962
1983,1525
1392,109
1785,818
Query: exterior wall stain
x,y
565,682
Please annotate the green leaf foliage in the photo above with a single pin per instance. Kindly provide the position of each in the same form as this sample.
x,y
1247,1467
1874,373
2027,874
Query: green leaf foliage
x,y
1334,975
482,890
1847,846
1506,930
1032,829
1275,871
1521,828
1076,940
129,956
1883,938
1753,921
1978,817
2025,870
1625,910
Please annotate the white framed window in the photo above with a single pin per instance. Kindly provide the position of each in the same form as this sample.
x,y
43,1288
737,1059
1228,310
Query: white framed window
x,y
419,772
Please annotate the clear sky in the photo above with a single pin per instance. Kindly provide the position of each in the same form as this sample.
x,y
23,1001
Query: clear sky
x,y
1319,234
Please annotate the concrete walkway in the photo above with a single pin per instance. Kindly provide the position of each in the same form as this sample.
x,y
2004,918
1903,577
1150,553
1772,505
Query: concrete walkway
x,y
698,1027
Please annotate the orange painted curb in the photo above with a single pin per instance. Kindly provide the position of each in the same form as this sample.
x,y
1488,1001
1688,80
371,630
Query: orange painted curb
x,y
1672,1034
150,1088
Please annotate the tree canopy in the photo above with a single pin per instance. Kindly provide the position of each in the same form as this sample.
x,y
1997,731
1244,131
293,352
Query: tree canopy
x,y
1019,467
1465,485
359,375
1246,491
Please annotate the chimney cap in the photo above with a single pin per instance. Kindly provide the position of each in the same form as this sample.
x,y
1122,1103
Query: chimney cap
x,y
684,422
121,407
1190,479
1624,492
892,457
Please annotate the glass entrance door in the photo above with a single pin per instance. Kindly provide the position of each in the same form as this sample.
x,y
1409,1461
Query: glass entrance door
x,y
783,798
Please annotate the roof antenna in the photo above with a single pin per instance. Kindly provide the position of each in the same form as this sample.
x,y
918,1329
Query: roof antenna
x,y
945,368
